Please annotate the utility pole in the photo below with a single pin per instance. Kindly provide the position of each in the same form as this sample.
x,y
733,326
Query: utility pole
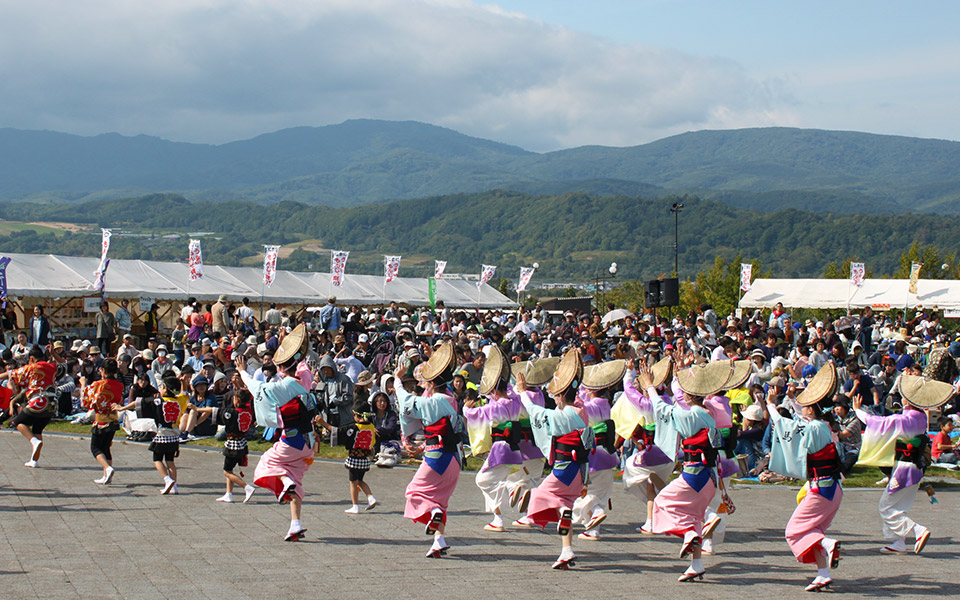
x,y
675,209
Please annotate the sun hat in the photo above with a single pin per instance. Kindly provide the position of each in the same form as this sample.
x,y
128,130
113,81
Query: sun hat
x,y
661,371
742,369
495,368
94,349
365,378
821,386
363,338
758,353
925,393
439,361
706,379
58,344
753,413
147,354
603,375
537,372
568,371
293,346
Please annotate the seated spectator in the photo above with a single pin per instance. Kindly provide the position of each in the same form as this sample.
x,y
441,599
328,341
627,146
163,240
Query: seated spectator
x,y
944,449
849,432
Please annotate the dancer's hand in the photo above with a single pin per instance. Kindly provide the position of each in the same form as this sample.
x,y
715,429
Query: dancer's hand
x,y
521,384
645,377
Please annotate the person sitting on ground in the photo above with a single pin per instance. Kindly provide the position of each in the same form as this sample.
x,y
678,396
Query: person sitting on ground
x,y
944,449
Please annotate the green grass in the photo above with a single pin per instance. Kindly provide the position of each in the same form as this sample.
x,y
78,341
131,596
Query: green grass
x,y
867,477
8,227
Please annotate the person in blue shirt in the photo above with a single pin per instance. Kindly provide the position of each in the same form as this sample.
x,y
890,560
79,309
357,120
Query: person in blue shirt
x,y
330,317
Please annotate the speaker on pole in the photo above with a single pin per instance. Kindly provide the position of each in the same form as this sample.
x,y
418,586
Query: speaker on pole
x,y
652,295
670,292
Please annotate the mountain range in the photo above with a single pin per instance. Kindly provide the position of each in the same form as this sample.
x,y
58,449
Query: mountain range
x,y
368,161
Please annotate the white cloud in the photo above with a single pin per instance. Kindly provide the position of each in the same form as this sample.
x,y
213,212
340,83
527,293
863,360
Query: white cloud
x,y
219,70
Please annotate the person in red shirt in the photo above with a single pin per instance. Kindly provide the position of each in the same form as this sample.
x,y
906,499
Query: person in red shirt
x,y
944,449
101,396
35,381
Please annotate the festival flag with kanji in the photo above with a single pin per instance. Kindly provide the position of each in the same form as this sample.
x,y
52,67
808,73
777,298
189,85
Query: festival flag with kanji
x,y
270,264
338,266
856,273
391,266
914,276
746,273
486,274
525,274
195,260
98,283
438,271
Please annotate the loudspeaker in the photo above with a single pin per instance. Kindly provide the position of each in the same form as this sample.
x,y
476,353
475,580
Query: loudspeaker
x,y
652,296
669,292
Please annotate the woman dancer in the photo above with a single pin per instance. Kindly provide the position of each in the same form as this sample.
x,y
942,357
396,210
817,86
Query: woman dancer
x,y
428,493
803,447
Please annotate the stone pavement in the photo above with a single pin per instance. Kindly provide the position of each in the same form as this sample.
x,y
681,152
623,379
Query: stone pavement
x,y
65,537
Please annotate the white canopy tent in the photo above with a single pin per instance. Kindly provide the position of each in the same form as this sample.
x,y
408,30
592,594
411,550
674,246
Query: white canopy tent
x,y
53,276
840,293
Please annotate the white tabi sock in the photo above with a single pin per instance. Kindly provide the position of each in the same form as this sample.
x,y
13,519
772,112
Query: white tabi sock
x,y
438,541
566,553
295,526
497,520
371,500
697,565
287,482
918,530
825,573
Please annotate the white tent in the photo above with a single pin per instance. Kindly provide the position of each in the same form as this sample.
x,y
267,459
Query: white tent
x,y
839,293
51,276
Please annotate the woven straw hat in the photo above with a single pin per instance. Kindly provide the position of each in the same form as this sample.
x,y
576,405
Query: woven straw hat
x,y
925,393
293,346
661,371
705,380
536,372
603,375
742,369
440,361
823,384
494,369
569,370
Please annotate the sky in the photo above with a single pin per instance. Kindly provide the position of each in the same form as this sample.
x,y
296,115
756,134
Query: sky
x,y
540,74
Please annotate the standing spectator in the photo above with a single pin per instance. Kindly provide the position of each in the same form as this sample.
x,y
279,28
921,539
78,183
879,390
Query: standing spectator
x,y
106,328
178,339
330,315
124,320
245,317
151,321
39,327
334,392
219,312
273,316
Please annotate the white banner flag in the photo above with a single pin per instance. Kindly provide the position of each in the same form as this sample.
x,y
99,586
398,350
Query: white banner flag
x,y
486,274
856,273
391,266
525,274
338,265
270,264
102,267
438,272
195,260
746,272
914,276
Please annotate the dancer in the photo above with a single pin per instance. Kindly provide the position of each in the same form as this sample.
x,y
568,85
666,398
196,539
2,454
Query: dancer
x,y
236,416
900,441
33,382
594,400
537,374
282,467
803,447
646,469
680,506
101,396
562,434
495,428
165,412
428,493
359,438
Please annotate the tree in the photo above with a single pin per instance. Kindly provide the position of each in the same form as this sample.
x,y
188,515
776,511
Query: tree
x,y
629,295
719,286
933,260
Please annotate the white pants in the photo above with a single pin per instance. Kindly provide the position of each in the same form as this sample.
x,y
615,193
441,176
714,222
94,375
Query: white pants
x,y
499,482
598,493
893,512
636,477
534,472
720,532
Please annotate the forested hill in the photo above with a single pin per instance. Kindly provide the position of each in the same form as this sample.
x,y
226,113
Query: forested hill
x,y
367,161
572,236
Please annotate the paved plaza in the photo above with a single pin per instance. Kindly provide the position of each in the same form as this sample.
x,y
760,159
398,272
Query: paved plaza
x,y
65,537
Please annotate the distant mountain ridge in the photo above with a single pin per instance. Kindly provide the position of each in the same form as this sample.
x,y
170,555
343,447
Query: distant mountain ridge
x,y
363,161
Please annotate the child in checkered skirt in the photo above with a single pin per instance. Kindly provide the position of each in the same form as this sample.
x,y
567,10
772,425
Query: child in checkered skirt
x,y
359,439
236,415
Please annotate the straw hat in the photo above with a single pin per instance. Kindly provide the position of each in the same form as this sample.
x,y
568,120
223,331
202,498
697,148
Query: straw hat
x,y
536,372
293,346
706,379
821,386
494,370
742,369
925,393
603,375
440,361
568,371
661,371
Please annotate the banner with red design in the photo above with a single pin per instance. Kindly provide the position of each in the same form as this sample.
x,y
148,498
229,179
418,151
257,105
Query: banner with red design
x,y
338,266
391,267
98,283
856,273
195,260
525,274
746,274
486,274
270,264
438,271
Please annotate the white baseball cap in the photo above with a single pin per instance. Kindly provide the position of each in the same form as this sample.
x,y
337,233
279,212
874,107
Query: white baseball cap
x,y
363,338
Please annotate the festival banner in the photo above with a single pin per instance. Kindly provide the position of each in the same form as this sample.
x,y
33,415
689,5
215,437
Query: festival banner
x,y
391,267
486,274
195,260
525,274
746,274
338,266
432,291
914,276
98,283
4,261
440,266
856,273
270,264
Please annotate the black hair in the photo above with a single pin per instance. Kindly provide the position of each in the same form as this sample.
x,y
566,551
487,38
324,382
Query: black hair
x,y
37,352
502,385
943,421
172,384
110,367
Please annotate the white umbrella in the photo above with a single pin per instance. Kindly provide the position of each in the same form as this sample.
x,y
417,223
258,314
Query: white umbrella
x,y
615,315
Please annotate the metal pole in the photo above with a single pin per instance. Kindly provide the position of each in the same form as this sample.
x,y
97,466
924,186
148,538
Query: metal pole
x,y
676,242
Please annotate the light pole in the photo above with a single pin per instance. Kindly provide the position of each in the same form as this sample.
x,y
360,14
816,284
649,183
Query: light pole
x,y
675,209
600,279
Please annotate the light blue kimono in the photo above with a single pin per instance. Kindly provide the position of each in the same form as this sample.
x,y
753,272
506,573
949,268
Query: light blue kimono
x,y
793,439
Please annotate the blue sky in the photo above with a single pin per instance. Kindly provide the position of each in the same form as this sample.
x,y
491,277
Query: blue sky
x,y
540,74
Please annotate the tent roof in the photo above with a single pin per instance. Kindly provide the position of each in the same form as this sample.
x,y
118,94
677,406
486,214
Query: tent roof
x,y
53,276
839,293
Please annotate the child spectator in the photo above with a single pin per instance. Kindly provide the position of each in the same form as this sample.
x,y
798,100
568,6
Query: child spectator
x,y
944,449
